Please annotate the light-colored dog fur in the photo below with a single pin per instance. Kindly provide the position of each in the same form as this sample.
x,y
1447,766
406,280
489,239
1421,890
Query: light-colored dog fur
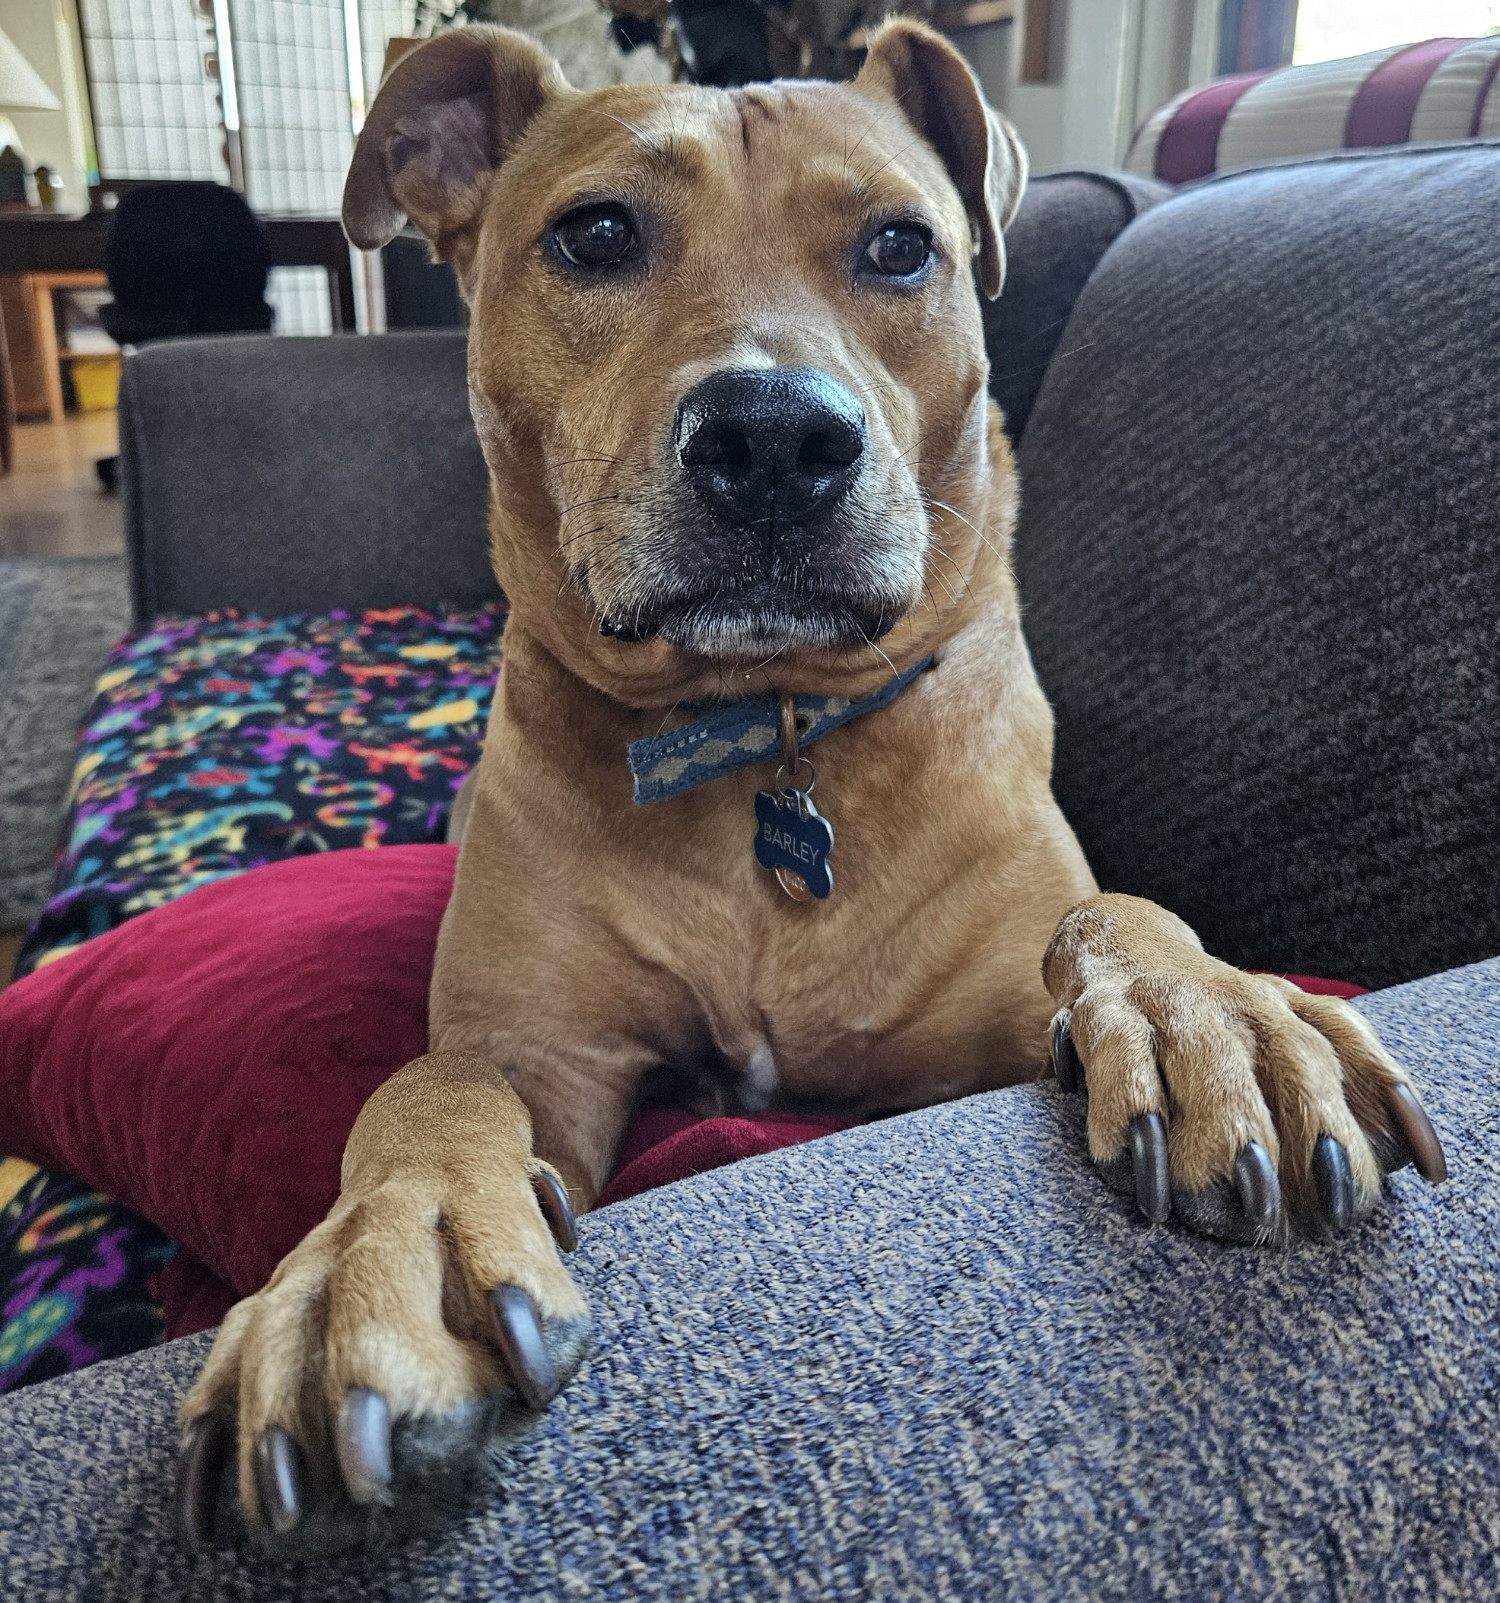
x,y
593,946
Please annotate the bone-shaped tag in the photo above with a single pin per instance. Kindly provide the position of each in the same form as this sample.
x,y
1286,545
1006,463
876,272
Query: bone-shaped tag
x,y
793,840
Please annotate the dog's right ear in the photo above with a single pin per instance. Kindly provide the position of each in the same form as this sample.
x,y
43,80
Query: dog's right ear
x,y
442,123
940,97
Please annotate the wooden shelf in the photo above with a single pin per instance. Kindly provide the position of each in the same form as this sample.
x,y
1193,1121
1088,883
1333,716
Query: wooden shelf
x,y
31,336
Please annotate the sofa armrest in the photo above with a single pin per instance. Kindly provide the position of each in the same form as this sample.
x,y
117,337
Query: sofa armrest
x,y
1065,223
930,1358
282,475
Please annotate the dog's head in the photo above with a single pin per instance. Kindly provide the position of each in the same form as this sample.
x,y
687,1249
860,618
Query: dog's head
x,y
726,357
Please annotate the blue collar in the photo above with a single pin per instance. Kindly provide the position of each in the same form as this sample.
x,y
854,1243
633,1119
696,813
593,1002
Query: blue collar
x,y
739,734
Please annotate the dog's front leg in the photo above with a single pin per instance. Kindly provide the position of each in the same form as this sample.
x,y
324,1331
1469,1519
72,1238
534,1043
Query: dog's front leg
x,y
1237,1100
427,1314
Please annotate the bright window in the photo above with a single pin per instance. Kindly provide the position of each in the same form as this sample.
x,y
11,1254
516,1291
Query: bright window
x,y
1328,29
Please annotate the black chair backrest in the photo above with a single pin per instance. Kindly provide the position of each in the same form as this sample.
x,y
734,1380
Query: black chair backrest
x,y
185,259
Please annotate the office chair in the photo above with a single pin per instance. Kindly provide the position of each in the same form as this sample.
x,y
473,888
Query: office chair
x,y
182,258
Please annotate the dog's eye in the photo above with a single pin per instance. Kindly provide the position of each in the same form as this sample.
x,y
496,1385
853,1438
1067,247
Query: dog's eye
x,y
900,250
596,236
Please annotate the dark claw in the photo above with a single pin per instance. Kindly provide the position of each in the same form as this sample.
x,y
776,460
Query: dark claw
x,y
1258,1184
278,1480
552,1194
1148,1158
362,1441
1066,1064
1416,1130
1335,1181
200,1464
522,1347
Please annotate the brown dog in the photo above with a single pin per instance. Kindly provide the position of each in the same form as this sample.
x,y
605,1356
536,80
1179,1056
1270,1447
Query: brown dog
x,y
727,369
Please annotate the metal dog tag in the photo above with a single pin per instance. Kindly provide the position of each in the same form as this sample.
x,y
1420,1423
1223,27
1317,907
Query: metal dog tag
x,y
793,840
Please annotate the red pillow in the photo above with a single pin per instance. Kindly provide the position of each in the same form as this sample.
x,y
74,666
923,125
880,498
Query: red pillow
x,y
203,1063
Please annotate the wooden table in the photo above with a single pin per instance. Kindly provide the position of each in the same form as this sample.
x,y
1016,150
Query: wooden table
x,y
38,242
32,348
49,252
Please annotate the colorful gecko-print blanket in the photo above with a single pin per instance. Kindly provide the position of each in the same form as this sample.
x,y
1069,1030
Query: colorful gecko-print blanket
x,y
214,745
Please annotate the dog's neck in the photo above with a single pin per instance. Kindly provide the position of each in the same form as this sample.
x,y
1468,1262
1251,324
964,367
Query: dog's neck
x,y
565,720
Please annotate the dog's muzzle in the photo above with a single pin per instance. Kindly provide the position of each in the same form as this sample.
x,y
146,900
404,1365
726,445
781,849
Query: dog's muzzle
x,y
772,544
770,446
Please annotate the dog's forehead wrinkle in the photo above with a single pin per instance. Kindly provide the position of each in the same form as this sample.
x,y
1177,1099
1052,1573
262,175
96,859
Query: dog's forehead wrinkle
x,y
791,134
675,131
826,178
655,120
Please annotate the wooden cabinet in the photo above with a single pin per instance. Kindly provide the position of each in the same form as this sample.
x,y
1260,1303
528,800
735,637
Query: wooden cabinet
x,y
31,337
27,369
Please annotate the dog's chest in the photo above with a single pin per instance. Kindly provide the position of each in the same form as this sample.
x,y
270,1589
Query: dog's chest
x,y
817,1018
847,1072
890,993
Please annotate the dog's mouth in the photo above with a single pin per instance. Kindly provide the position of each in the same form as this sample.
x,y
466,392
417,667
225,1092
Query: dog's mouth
x,y
758,619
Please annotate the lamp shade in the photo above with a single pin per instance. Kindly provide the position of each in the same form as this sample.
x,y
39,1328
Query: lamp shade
x,y
21,86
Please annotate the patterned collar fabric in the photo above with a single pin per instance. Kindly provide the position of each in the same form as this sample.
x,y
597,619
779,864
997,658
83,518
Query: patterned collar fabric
x,y
738,734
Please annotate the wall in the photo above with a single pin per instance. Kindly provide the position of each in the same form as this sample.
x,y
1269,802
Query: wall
x,y
1113,62
1035,109
46,33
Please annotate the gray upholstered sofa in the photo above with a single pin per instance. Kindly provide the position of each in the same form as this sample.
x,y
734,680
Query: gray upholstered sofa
x,y
934,1358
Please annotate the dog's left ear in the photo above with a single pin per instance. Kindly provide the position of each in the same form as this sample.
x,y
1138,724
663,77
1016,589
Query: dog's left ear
x,y
444,120
940,97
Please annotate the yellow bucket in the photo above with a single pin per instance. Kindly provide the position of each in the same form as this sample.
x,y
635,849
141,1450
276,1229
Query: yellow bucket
x,y
96,382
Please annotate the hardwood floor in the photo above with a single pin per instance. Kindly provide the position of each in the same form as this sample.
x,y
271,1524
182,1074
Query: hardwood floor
x,y
51,504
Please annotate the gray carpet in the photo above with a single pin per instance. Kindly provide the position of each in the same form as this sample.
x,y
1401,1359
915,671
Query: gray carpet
x,y
58,619
929,1359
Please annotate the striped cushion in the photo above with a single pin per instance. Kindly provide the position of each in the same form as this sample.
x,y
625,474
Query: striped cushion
x,y
1442,89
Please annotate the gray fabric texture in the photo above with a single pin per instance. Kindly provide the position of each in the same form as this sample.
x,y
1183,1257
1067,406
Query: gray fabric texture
x,y
1260,556
58,619
283,475
933,1358
1065,223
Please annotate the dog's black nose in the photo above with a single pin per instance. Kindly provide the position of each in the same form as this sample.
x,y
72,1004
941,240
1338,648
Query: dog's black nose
x,y
775,443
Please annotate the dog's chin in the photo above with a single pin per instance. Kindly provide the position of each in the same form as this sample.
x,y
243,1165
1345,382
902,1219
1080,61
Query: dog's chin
x,y
769,623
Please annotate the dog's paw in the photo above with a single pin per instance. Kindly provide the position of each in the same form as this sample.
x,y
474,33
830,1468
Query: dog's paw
x,y
1238,1102
360,1391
